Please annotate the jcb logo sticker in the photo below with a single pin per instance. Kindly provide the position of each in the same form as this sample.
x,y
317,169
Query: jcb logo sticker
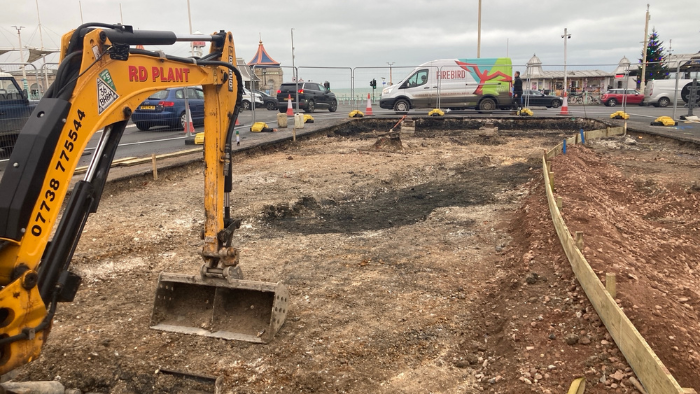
x,y
106,91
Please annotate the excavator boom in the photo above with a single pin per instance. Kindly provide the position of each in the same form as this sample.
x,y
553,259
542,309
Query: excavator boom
x,y
100,81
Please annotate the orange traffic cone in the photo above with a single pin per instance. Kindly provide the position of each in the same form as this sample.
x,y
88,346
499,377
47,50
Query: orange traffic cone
x,y
237,122
565,106
290,111
368,111
189,126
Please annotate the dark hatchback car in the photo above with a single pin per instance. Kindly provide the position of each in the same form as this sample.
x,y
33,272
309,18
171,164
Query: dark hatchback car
x,y
312,95
167,108
269,102
535,98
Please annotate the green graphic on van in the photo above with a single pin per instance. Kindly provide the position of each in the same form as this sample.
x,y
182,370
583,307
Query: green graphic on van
x,y
484,70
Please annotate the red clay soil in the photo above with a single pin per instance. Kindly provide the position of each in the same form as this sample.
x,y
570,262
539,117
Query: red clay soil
x,y
636,200
638,209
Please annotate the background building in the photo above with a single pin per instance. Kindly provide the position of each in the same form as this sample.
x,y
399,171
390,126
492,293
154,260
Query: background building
x,y
552,81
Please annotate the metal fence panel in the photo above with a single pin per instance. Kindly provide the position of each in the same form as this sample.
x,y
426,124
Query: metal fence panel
x,y
19,86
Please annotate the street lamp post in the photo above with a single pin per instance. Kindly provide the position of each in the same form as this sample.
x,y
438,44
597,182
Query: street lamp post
x,y
295,73
390,80
21,58
566,38
644,55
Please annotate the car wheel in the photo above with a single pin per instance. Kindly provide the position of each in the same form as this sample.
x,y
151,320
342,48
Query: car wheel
x,y
271,106
246,104
401,106
487,104
611,103
142,126
664,102
556,103
310,106
333,107
182,120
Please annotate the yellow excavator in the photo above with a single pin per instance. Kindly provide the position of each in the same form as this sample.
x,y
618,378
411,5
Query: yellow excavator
x,y
103,76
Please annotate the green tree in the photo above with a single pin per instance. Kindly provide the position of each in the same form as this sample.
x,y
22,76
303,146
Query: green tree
x,y
657,61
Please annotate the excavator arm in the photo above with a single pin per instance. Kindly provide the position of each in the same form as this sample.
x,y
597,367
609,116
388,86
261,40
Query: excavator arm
x,y
100,81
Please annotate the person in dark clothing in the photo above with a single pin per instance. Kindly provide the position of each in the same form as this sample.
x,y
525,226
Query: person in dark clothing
x,y
518,90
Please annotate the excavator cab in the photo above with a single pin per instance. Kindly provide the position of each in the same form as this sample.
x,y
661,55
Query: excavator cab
x,y
108,62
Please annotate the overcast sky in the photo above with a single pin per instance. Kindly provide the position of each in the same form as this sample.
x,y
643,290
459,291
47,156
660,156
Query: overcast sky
x,y
370,33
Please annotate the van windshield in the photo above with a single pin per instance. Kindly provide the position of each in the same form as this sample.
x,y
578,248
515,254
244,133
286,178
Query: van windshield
x,y
417,79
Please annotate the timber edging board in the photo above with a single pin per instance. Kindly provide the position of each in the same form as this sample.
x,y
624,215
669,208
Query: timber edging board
x,y
652,373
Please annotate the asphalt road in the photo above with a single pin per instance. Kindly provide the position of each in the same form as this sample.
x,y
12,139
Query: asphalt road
x,y
137,143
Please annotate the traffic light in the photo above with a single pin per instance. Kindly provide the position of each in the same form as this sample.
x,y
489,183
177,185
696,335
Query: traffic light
x,y
373,83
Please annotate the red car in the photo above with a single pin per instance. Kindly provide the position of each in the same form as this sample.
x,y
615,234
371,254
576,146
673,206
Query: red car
x,y
614,97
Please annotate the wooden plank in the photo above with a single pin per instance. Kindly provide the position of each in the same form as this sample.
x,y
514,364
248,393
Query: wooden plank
x,y
649,369
81,170
163,156
617,131
595,134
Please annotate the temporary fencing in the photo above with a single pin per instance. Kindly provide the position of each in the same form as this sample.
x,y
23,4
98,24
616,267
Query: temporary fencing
x,y
586,85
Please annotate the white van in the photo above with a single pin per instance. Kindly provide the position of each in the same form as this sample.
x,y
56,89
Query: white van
x,y
660,92
453,83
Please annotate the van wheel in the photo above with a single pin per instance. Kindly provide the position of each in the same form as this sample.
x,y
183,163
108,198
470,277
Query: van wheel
x,y
664,102
487,104
401,106
246,104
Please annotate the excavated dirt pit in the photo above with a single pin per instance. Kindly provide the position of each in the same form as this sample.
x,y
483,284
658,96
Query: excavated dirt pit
x,y
425,266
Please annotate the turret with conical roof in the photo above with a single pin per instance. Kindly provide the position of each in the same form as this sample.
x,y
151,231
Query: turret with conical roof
x,y
267,69
262,59
534,68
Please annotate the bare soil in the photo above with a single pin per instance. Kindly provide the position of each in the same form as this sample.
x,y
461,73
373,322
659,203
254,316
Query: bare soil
x,y
428,264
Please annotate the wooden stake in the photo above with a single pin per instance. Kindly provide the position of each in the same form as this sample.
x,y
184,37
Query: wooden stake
x,y
560,203
294,134
579,240
551,180
611,284
155,168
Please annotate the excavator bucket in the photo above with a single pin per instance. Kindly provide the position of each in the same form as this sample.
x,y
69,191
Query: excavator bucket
x,y
235,309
